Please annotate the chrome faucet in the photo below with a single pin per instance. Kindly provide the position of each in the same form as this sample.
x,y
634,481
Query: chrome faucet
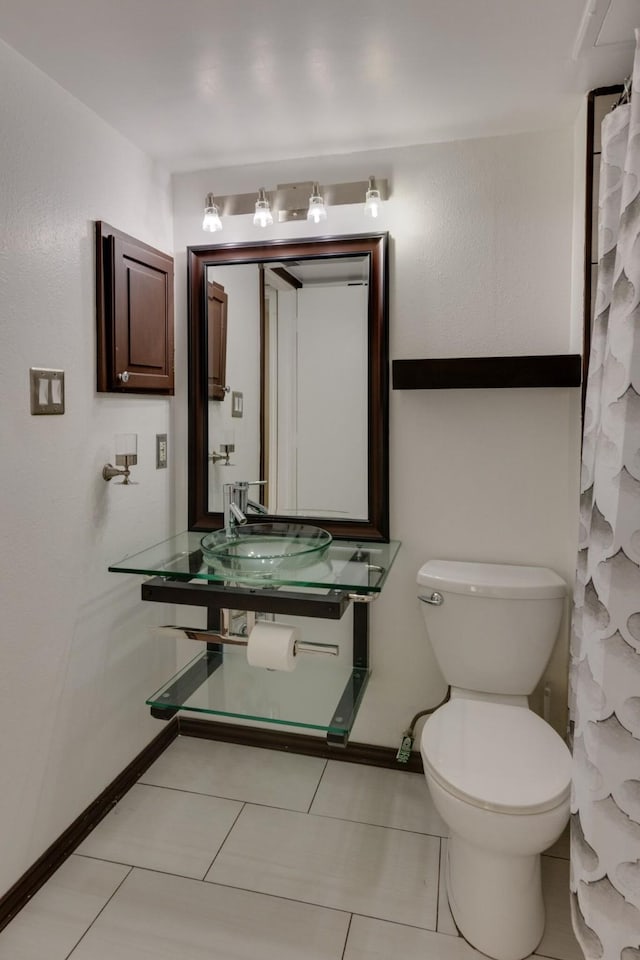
x,y
237,503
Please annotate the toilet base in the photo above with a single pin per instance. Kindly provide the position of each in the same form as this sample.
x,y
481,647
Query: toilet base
x,y
495,899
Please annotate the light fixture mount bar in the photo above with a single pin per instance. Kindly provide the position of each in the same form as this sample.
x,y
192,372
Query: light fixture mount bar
x,y
289,201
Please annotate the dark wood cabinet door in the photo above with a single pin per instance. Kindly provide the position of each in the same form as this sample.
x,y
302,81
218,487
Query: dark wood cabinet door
x,y
216,341
135,315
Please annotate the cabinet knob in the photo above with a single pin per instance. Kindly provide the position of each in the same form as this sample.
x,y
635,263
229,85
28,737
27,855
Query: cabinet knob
x,y
123,377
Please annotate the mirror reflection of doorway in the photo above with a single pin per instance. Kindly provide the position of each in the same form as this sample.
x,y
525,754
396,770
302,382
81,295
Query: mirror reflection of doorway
x,y
316,388
216,340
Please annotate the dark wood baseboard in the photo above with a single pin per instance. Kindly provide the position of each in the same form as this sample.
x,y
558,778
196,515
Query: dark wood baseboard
x,y
30,882
297,743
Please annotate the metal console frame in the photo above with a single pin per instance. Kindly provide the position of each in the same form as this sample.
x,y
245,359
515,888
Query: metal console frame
x,y
329,606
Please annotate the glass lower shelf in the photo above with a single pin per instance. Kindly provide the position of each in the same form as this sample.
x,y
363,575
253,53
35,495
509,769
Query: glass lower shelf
x,y
322,693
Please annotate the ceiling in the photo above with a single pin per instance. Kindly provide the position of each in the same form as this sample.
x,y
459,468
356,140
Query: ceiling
x,y
210,83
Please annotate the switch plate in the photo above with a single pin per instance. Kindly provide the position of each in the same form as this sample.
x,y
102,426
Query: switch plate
x,y
161,451
47,390
237,403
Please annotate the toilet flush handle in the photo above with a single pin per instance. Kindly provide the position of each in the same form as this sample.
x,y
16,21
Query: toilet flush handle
x,y
436,599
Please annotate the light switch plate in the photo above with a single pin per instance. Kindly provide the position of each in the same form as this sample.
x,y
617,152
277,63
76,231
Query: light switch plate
x,y
161,451
47,390
237,404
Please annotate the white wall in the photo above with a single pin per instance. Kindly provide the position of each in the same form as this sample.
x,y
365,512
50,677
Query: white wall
x,y
481,255
77,653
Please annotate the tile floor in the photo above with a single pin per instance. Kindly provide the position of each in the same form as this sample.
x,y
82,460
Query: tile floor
x,y
224,852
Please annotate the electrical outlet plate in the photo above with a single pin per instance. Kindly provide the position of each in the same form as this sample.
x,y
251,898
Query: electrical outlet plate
x,y
161,451
47,390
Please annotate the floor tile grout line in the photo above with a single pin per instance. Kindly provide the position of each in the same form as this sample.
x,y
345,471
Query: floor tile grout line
x,y
327,816
324,906
324,770
369,823
361,823
226,837
346,939
215,796
139,866
292,899
261,893
243,806
69,956
99,913
257,803
403,923
165,872
231,886
439,880
308,811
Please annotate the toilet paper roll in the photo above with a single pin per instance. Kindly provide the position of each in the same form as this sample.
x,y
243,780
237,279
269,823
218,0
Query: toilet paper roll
x,y
272,645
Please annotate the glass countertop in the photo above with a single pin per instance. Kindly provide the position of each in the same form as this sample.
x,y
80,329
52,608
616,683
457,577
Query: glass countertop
x,y
361,567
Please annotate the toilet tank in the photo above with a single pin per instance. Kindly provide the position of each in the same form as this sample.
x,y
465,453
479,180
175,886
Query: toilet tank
x,y
496,625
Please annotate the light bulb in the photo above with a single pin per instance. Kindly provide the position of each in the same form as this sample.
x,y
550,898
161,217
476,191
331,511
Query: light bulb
x,y
372,200
262,217
211,221
317,210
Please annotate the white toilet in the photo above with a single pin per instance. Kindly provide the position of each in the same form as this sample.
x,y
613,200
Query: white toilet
x,y
498,774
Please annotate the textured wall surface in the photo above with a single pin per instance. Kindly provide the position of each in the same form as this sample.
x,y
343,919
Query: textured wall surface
x,y
78,657
480,264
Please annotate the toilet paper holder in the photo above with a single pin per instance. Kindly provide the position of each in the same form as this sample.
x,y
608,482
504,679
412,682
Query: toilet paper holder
x,y
239,640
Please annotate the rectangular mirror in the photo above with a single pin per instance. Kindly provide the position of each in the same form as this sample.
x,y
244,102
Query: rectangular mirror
x,y
299,331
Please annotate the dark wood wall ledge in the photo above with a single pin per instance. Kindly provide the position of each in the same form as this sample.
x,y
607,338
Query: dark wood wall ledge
x,y
553,370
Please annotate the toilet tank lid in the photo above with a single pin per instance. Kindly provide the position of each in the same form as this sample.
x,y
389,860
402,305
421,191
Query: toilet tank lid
x,y
491,580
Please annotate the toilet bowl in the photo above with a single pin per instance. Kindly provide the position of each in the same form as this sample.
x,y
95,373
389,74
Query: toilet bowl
x,y
498,774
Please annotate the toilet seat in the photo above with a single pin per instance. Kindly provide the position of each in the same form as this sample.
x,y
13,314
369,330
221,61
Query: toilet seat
x,y
496,756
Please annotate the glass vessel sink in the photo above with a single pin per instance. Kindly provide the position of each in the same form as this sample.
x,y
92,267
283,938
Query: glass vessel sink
x,y
261,550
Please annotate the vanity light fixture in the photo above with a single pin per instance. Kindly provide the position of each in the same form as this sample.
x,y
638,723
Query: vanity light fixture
x,y
126,457
295,201
262,217
211,221
372,200
317,209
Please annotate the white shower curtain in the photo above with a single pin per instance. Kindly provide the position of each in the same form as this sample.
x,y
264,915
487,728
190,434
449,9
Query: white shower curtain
x,y
605,669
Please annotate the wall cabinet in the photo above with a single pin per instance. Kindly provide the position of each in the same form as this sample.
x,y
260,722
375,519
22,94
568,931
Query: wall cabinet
x,y
134,310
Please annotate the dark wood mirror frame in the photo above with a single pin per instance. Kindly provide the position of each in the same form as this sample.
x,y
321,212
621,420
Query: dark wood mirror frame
x,y
376,525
